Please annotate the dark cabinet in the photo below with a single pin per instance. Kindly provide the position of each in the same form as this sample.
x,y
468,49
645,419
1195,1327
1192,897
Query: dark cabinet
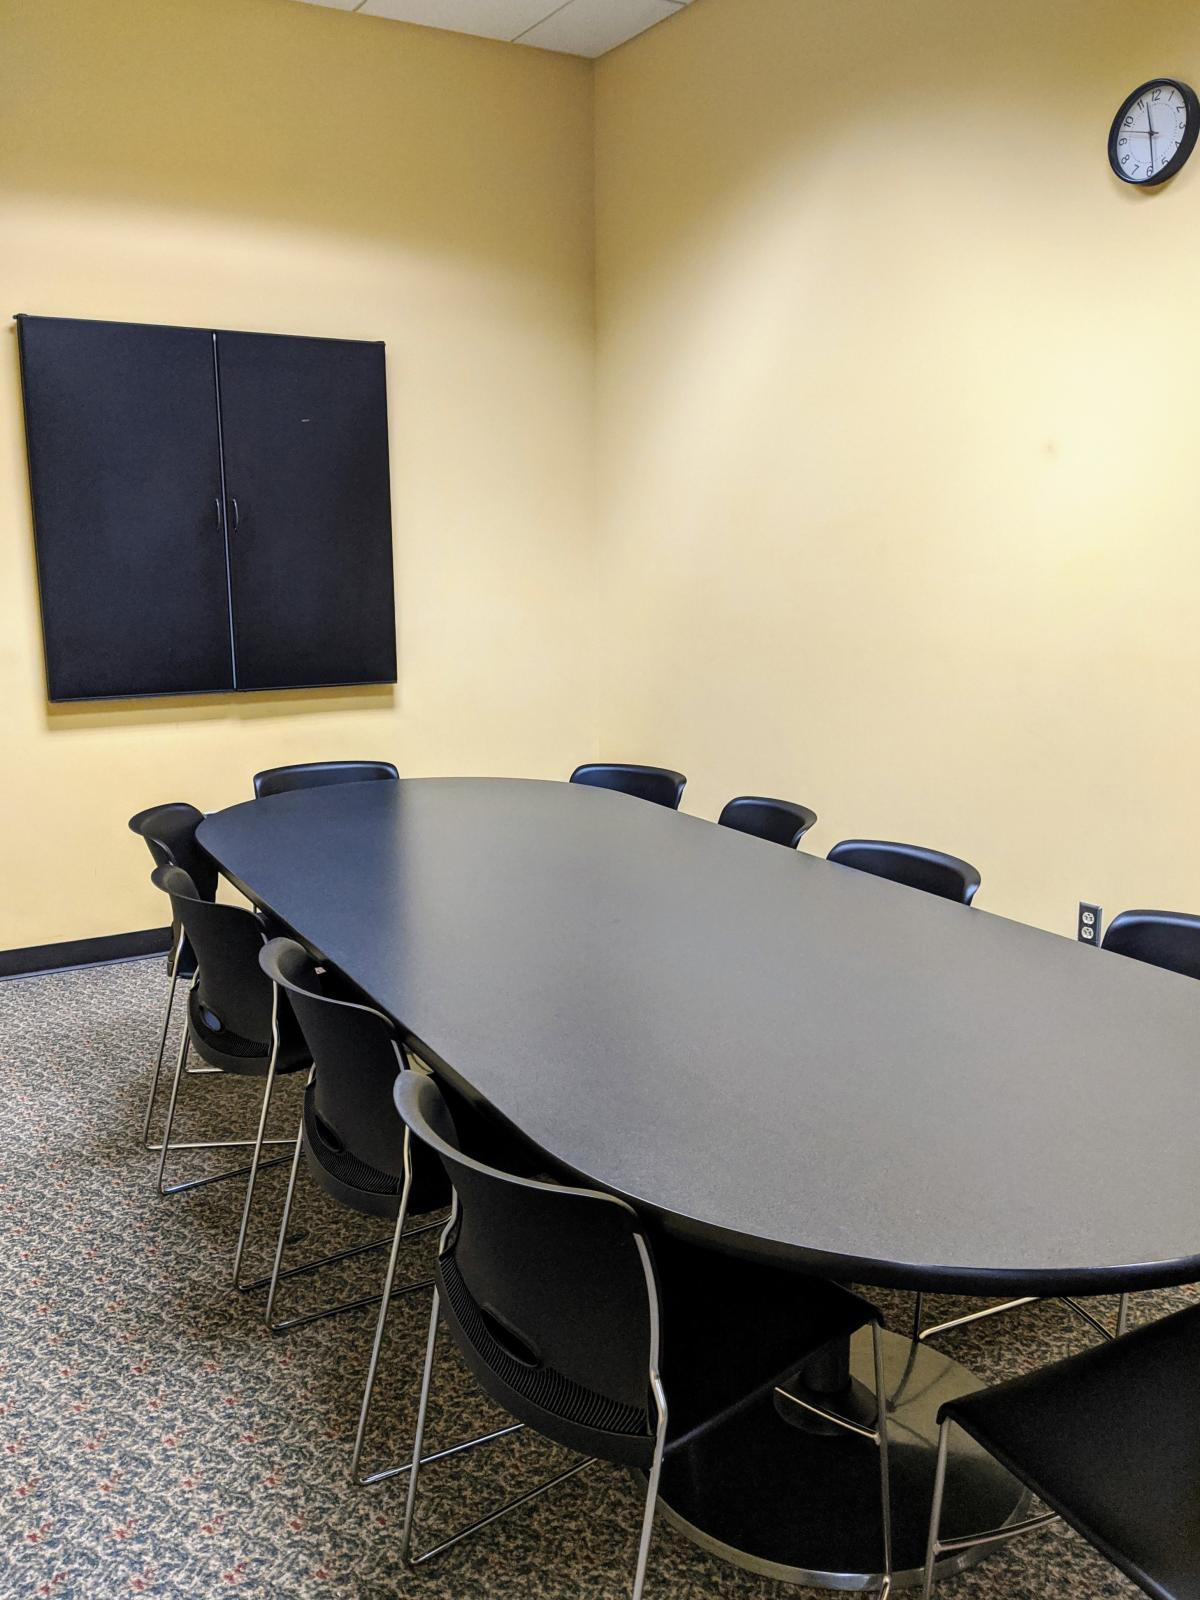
x,y
211,509
125,468
306,466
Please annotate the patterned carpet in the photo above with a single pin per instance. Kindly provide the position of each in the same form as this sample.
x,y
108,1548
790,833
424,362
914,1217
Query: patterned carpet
x,y
158,1440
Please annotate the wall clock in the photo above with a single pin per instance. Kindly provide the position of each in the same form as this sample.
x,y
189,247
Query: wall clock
x,y
1154,131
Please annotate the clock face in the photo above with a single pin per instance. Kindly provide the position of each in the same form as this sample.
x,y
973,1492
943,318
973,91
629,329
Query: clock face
x,y
1154,131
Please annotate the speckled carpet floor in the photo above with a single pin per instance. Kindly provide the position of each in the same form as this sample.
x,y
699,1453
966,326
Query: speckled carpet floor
x,y
157,1440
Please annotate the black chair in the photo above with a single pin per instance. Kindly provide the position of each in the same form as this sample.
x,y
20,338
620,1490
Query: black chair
x,y
352,1145
659,785
572,1322
319,775
778,821
911,864
234,1022
1169,939
1109,1441
170,835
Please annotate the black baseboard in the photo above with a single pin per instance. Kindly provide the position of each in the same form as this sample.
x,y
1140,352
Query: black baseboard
x,y
84,952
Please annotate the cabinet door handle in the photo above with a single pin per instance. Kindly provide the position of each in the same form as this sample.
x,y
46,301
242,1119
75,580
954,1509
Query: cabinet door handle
x,y
217,509
236,514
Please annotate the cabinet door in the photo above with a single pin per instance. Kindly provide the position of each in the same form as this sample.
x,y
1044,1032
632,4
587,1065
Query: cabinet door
x,y
125,475
304,424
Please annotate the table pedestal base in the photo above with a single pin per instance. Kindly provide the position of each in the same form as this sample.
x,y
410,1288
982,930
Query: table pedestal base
x,y
802,1506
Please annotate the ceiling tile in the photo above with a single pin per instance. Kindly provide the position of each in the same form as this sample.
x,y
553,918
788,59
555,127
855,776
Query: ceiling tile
x,y
493,19
590,27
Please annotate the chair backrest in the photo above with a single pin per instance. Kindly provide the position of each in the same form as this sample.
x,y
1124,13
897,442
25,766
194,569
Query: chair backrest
x,y
170,834
318,775
778,821
355,1053
659,785
1168,939
912,864
233,988
556,1286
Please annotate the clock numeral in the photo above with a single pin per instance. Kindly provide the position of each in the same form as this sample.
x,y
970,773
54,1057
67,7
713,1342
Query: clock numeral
x,y
1156,96
1129,122
1149,171
1123,140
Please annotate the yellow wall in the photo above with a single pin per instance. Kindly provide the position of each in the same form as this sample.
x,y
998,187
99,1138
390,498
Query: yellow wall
x,y
259,164
891,387
899,432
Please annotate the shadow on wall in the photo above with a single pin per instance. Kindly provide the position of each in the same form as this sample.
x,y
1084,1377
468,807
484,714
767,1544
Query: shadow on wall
x,y
250,706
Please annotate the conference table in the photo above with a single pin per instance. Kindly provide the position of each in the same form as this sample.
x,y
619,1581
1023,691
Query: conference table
x,y
779,1057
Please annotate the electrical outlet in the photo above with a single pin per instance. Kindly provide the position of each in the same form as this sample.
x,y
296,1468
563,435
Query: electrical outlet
x,y
1091,919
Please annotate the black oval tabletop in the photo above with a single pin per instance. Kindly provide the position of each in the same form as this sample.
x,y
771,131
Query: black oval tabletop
x,y
785,1056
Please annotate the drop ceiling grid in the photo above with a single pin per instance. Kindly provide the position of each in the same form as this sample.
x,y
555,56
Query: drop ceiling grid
x,y
572,27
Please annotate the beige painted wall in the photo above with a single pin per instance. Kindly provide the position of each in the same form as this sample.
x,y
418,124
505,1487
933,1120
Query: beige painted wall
x,y
263,165
897,462
899,437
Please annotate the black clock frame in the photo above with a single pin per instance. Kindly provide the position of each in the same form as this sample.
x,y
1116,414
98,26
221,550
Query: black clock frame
x,y
1191,104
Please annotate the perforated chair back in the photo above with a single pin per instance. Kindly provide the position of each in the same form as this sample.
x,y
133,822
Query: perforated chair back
x,y
319,775
1169,939
546,1291
778,821
659,785
232,987
356,1056
911,864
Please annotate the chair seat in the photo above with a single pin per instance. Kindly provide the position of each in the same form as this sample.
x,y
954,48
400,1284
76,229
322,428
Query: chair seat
x,y
365,1188
1110,1439
732,1330
247,1058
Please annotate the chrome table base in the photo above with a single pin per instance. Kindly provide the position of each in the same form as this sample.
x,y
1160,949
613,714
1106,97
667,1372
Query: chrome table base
x,y
803,1507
